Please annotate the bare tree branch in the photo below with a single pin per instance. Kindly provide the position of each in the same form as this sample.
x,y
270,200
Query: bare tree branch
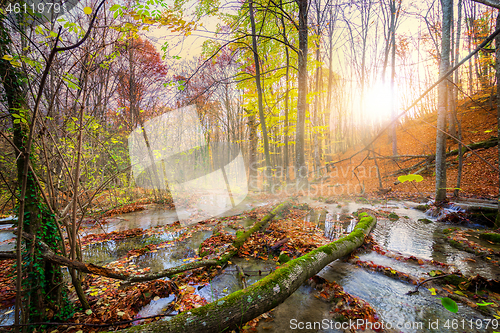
x,y
491,3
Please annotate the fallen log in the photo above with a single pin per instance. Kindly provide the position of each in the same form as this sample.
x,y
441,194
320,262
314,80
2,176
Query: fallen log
x,y
7,255
241,276
426,163
426,166
242,306
490,143
83,267
429,159
51,256
395,157
278,244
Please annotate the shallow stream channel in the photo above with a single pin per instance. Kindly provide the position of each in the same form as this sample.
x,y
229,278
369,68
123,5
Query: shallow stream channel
x,y
412,233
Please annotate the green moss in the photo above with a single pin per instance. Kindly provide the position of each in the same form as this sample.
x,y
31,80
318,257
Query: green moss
x,y
459,246
425,221
492,237
341,318
283,258
450,230
422,208
327,249
456,244
454,279
239,233
364,222
152,240
393,216
362,200
481,292
303,206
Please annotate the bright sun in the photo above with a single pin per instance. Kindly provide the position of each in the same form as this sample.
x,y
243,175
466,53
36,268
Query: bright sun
x,y
378,103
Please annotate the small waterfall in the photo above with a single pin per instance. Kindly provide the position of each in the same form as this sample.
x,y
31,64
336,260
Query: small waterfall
x,y
443,211
351,226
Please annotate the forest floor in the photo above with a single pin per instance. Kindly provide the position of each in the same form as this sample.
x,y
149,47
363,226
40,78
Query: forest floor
x,y
418,137
290,235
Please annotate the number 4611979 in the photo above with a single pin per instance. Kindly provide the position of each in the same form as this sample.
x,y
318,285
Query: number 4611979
x,y
42,7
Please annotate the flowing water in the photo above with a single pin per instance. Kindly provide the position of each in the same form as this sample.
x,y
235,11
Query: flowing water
x,y
7,240
7,237
7,243
409,235
155,215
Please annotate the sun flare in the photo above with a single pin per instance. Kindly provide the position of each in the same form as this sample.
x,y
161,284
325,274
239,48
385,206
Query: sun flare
x,y
378,103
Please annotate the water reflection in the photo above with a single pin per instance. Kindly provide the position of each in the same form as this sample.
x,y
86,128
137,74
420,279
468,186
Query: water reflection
x,y
151,217
7,241
387,297
107,251
172,256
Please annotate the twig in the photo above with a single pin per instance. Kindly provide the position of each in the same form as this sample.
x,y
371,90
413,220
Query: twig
x,y
241,275
411,292
92,325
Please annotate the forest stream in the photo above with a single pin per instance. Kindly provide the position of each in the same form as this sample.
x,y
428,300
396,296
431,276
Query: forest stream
x,y
413,233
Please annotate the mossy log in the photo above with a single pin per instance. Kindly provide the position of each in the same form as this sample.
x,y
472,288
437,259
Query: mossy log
x,y
491,236
239,307
490,143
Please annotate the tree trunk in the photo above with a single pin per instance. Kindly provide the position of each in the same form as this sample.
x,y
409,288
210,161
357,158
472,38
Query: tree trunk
x,y
452,109
287,93
329,111
75,278
447,6
393,78
315,122
259,96
39,283
300,163
286,162
252,152
492,3
497,67
455,96
234,310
